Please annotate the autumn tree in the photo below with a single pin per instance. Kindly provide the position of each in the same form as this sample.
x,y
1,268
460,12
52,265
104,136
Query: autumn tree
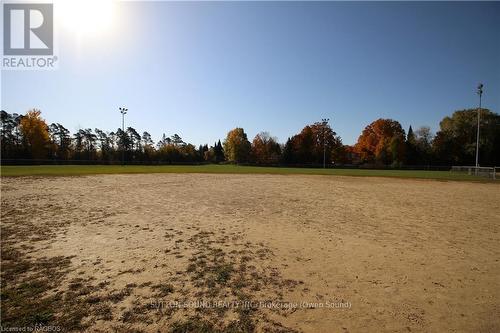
x,y
35,133
236,146
304,145
307,146
174,150
382,142
350,155
265,149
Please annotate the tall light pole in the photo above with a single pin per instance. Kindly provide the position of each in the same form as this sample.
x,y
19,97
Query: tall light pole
x,y
324,121
480,93
123,111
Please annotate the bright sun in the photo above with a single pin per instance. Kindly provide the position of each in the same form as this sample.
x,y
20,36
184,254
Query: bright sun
x,y
86,17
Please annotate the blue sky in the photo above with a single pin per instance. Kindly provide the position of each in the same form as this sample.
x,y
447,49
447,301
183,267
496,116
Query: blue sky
x,y
200,69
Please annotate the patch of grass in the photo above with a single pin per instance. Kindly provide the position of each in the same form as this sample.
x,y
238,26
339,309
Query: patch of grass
x,y
136,314
244,324
78,170
191,268
240,282
26,308
102,284
118,296
43,317
33,288
196,324
217,274
25,300
93,299
193,325
163,289
103,311
223,273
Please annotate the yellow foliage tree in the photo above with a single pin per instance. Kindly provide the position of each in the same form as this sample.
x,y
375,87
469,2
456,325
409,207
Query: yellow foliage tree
x,y
236,146
35,133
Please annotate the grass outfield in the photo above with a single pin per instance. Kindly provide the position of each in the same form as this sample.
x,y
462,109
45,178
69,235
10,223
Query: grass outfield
x,y
77,170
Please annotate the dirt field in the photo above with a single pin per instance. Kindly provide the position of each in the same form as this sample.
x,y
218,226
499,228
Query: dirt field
x,y
279,254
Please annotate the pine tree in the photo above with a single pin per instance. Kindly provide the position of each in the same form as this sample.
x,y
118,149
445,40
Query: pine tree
x,y
219,152
411,136
411,148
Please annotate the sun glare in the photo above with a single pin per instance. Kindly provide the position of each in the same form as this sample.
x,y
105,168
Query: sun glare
x,y
86,18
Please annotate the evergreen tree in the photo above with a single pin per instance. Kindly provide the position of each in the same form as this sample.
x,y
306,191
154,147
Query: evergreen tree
x,y
410,137
411,154
219,152
288,156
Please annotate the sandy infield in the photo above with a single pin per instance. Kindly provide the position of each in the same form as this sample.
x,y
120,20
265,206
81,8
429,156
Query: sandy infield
x,y
234,253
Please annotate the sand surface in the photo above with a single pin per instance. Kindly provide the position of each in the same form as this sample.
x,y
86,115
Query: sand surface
x,y
322,253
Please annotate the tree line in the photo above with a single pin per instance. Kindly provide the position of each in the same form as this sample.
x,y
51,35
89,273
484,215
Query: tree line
x,y
382,143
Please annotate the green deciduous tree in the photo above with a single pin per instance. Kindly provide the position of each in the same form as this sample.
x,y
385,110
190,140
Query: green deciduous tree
x,y
455,142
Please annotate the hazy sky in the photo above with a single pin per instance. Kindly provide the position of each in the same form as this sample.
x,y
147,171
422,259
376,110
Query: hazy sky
x,y
200,69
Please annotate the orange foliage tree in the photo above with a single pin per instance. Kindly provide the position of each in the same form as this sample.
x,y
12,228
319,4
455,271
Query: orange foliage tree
x,y
265,149
382,142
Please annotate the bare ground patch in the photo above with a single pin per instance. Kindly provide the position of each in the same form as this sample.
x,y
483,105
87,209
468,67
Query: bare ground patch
x,y
122,253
